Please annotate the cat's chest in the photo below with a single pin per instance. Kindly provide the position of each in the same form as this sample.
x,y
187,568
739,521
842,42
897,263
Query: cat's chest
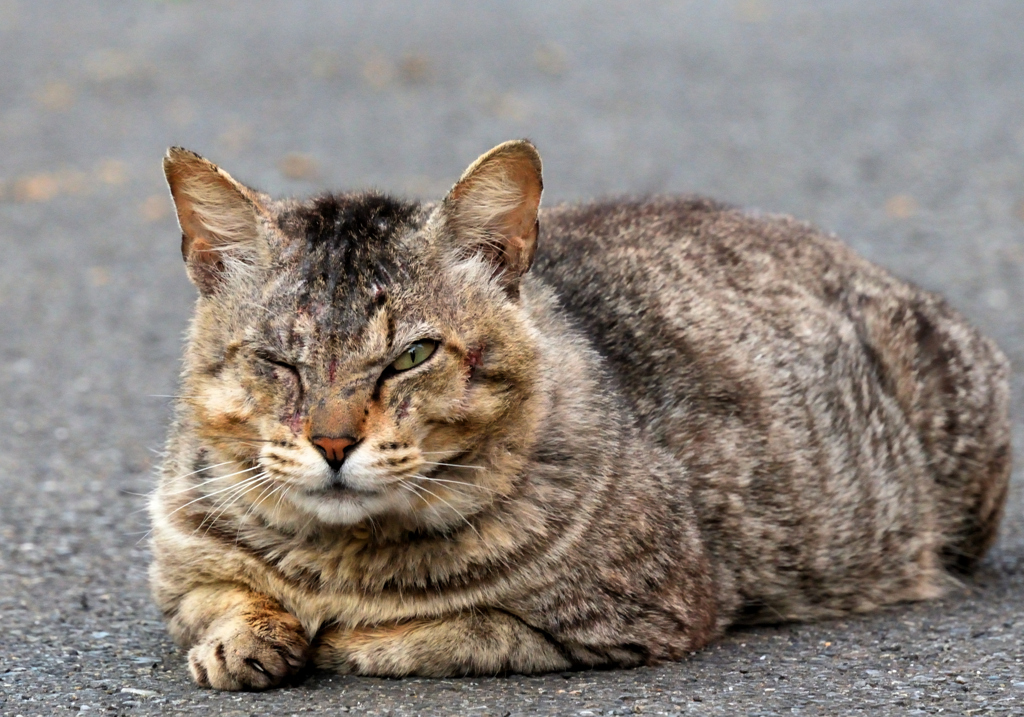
x,y
353,580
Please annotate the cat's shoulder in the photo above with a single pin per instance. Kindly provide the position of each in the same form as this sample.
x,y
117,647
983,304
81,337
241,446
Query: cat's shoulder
x,y
681,236
659,221
628,220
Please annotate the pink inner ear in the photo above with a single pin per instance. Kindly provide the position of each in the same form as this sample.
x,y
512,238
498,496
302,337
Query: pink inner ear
x,y
520,221
201,251
204,263
216,214
496,206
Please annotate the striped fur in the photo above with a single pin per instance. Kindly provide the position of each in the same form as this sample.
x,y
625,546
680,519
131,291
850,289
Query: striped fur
x,y
680,419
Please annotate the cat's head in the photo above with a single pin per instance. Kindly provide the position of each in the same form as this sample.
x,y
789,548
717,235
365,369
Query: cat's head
x,y
351,349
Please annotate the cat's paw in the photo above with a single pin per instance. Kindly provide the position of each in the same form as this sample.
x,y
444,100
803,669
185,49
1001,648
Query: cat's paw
x,y
253,651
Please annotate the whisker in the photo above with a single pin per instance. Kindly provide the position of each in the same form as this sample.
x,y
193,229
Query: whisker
x,y
212,480
224,501
143,509
305,526
280,490
455,465
280,497
414,490
456,511
407,486
241,439
206,468
216,492
239,489
231,498
453,482
266,482
281,486
269,486
259,498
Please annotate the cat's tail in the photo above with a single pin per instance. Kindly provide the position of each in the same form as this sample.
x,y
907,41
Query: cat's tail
x,y
958,399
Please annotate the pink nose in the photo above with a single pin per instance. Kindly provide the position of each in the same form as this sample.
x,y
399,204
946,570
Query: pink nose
x,y
333,449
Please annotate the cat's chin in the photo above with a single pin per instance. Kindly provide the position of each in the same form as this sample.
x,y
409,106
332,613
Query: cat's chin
x,y
339,507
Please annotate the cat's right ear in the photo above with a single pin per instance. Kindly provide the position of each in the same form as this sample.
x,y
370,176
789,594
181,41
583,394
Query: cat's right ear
x,y
219,217
492,210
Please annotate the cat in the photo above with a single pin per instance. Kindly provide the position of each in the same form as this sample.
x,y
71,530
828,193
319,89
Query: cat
x,y
451,439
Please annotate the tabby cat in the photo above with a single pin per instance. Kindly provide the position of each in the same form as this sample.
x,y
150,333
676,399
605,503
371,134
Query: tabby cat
x,y
448,439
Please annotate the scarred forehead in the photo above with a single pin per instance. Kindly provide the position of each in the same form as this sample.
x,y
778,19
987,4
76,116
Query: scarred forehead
x,y
345,258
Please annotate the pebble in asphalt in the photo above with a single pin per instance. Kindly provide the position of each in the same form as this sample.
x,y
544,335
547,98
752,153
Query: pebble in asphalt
x,y
897,124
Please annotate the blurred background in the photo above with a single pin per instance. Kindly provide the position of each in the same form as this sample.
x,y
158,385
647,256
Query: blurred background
x,y
898,124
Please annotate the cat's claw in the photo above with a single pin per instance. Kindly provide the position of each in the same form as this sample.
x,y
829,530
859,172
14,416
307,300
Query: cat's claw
x,y
241,654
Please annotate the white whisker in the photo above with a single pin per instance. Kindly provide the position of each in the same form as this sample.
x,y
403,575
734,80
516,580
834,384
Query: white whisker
x,y
412,489
455,465
268,486
231,498
212,480
454,482
207,468
237,490
216,492
305,525
456,511
280,495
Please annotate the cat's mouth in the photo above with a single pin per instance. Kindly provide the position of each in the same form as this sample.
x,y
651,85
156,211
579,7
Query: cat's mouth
x,y
339,490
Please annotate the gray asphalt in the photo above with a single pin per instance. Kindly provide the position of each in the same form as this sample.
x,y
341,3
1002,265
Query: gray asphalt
x,y
898,124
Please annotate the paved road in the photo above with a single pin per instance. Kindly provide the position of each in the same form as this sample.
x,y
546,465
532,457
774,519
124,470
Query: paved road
x,y
897,123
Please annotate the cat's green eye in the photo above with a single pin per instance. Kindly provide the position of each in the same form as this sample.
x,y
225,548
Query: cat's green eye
x,y
414,355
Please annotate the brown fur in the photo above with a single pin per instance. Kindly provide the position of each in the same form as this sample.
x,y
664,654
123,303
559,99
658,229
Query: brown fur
x,y
681,418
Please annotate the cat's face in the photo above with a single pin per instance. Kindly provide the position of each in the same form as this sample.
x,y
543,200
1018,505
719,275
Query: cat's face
x,y
360,360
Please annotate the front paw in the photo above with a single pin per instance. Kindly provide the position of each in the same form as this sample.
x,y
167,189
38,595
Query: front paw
x,y
252,651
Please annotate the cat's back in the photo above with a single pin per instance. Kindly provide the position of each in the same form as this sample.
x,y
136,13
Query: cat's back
x,y
694,302
794,380
700,307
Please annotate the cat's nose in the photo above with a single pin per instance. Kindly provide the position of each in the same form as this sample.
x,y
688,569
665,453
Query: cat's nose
x,y
334,449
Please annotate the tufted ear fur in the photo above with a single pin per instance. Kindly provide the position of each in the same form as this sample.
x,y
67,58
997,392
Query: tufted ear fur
x,y
218,217
493,208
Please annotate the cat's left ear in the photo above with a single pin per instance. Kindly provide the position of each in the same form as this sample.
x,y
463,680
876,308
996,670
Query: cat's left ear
x,y
219,217
492,209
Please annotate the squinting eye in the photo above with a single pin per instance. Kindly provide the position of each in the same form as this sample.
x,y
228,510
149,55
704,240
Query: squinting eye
x,y
414,355
275,361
